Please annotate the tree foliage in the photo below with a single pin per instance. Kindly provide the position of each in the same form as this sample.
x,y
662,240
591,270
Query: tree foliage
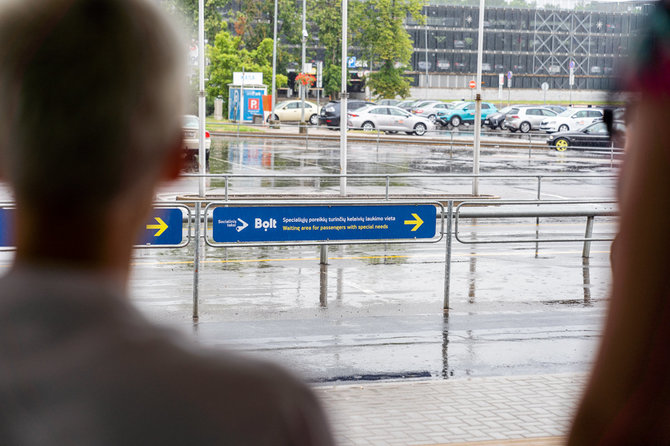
x,y
188,12
387,44
227,56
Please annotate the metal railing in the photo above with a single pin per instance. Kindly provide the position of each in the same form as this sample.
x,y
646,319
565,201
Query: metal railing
x,y
538,179
459,136
450,214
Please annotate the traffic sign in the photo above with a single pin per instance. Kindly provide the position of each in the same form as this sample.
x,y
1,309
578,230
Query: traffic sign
x,y
6,228
571,65
509,75
323,223
545,86
571,79
473,84
163,228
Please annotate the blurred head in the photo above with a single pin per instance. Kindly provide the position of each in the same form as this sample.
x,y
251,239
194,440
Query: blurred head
x,y
90,99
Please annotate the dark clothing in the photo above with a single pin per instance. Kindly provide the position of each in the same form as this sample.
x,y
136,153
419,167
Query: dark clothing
x,y
80,366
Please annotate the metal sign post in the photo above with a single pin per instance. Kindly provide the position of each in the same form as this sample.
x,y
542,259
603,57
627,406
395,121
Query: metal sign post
x,y
571,79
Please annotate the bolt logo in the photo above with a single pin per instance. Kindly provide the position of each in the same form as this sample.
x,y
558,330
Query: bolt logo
x,y
254,104
265,224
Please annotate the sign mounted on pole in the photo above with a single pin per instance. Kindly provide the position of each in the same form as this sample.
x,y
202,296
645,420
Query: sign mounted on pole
x,y
509,79
323,223
164,227
473,84
6,239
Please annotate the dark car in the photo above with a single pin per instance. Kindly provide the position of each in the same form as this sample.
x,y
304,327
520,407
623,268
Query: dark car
x,y
495,120
594,135
330,113
407,104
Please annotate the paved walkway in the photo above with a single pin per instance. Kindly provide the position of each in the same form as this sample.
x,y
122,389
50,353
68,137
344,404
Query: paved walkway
x,y
487,410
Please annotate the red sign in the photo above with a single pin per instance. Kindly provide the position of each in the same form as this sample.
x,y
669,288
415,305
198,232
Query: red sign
x,y
254,104
473,84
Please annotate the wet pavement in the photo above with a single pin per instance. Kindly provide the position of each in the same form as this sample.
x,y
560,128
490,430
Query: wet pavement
x,y
375,311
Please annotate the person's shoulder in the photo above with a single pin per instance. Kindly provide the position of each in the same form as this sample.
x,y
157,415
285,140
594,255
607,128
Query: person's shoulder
x,y
234,394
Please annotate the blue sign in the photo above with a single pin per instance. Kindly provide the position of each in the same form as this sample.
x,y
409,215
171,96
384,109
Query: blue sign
x,y
163,228
509,75
323,223
351,62
572,64
252,101
6,228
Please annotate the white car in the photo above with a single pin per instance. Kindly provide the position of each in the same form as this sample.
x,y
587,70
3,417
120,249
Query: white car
x,y
388,119
191,125
571,119
290,111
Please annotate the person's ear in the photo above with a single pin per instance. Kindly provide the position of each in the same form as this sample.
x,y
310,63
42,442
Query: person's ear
x,y
175,160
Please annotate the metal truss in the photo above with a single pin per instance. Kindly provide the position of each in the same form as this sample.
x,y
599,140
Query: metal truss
x,y
559,38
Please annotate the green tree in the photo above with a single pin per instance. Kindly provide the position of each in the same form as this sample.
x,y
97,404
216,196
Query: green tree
x,y
188,11
227,56
387,44
326,22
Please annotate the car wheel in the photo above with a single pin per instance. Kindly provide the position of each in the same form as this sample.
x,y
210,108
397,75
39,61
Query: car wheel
x,y
432,118
511,129
500,125
563,128
524,127
420,129
561,144
273,118
368,126
455,121
314,120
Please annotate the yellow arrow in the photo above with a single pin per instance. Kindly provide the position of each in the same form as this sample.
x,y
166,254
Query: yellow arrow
x,y
161,226
417,222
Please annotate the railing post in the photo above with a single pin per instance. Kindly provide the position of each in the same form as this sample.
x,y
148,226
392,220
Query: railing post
x,y
388,185
447,259
226,188
586,253
196,263
324,255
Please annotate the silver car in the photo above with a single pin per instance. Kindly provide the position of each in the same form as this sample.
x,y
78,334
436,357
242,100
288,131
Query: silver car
x,y
388,119
526,119
430,110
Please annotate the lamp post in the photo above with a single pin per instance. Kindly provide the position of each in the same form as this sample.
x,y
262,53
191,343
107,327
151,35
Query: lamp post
x,y
478,101
343,104
274,65
302,68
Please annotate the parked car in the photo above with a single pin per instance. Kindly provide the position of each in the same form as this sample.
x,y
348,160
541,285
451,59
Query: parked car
x,y
388,102
430,110
463,112
556,108
407,104
291,111
496,120
418,107
330,113
389,119
191,125
527,118
571,119
593,135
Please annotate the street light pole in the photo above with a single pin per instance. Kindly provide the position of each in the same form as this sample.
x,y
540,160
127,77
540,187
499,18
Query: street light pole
x,y
302,68
274,65
478,101
343,104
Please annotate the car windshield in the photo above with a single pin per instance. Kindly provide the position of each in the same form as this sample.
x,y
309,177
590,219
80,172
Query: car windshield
x,y
191,121
505,110
567,112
